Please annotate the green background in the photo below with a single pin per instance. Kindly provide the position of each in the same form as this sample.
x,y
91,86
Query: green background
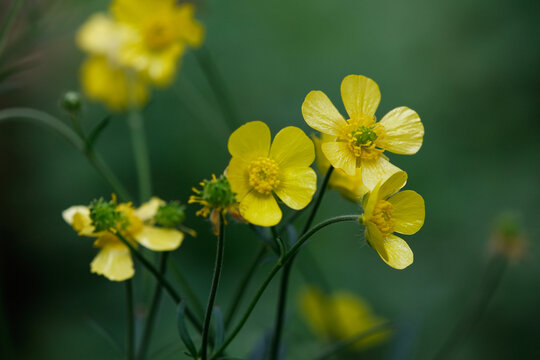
x,y
469,68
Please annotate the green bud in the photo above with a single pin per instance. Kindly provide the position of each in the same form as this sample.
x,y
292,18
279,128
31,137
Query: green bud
x,y
217,192
71,102
104,215
170,215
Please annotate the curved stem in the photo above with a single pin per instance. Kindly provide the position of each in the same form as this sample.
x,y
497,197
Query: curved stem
x,y
140,151
285,276
213,289
130,328
286,258
154,306
248,275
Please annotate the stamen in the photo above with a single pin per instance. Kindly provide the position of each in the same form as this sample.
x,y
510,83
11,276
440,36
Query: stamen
x,y
382,217
263,175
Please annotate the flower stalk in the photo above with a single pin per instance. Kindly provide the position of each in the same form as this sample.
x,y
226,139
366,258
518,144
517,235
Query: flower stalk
x,y
130,328
140,151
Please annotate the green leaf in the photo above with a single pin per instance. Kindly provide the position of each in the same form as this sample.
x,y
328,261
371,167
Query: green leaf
x,y
96,131
182,330
220,327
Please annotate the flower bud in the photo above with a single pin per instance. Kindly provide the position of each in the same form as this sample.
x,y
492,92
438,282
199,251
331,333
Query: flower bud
x,y
104,215
71,102
170,215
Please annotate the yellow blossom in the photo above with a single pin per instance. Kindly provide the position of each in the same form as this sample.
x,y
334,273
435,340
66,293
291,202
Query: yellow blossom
x,y
340,316
360,141
137,225
162,30
259,169
350,187
387,211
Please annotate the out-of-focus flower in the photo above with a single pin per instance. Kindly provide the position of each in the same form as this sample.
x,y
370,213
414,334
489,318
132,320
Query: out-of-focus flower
x,y
350,187
359,142
387,211
340,316
508,238
217,199
161,31
104,78
104,220
258,170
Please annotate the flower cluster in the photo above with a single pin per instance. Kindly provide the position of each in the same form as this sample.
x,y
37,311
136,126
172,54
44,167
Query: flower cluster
x,y
137,44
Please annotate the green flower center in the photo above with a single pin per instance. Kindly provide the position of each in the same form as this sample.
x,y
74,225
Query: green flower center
x,y
365,136
170,215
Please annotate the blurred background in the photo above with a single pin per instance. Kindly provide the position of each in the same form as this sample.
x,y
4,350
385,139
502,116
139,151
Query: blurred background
x,y
469,68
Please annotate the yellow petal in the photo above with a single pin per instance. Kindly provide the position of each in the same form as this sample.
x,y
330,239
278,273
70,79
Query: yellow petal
x,y
376,239
372,199
292,148
261,210
98,34
409,211
314,308
321,114
350,187
340,156
361,95
238,177
68,214
148,210
404,131
393,184
399,254
159,239
191,30
79,217
297,186
375,171
114,262
250,141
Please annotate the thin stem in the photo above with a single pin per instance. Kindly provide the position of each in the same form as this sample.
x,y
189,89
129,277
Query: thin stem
x,y
248,275
161,278
217,84
213,289
285,276
154,306
492,278
281,262
342,345
140,151
130,328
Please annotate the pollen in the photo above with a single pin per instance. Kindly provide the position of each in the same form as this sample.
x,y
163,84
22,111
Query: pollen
x,y
366,141
382,217
263,175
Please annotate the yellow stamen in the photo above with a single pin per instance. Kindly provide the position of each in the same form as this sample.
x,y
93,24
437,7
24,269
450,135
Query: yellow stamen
x,y
382,217
263,175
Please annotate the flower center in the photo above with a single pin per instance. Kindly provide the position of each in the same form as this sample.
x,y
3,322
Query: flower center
x,y
158,35
362,142
382,217
263,175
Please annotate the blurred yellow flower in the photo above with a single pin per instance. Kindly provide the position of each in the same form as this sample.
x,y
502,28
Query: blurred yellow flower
x,y
387,211
350,187
103,77
360,141
137,225
258,169
162,30
340,316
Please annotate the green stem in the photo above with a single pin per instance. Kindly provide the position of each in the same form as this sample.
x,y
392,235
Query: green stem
x,y
130,328
154,306
248,275
217,84
213,289
140,151
342,345
492,278
159,277
281,262
285,276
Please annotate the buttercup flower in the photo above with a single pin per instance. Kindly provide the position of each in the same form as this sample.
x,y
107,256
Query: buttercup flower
x,y
340,316
162,30
387,211
350,187
360,141
258,170
102,220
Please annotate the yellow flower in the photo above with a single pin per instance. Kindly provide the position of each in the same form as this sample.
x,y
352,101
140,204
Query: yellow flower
x,y
137,225
340,316
387,211
350,187
103,78
258,169
163,28
360,141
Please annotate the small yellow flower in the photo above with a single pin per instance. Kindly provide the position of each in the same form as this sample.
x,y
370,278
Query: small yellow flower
x,y
360,141
387,211
258,170
350,187
163,29
137,225
340,316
